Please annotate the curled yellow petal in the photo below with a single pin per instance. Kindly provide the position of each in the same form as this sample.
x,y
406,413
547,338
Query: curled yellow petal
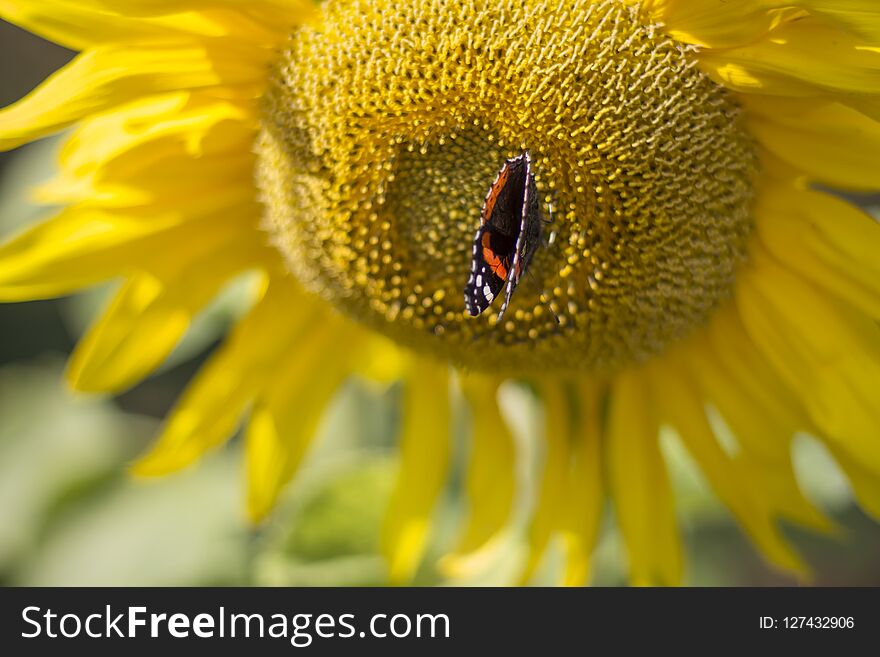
x,y
860,17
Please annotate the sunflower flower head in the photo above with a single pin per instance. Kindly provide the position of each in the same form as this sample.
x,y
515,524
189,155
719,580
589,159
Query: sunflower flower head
x,y
697,283
384,128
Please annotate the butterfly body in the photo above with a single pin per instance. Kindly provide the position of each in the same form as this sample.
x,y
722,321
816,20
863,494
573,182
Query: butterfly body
x,y
507,238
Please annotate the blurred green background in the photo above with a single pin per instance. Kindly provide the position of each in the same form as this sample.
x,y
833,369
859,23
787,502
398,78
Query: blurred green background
x,y
71,515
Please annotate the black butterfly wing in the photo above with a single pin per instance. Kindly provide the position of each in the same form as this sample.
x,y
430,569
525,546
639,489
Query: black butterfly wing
x,y
508,233
528,234
492,257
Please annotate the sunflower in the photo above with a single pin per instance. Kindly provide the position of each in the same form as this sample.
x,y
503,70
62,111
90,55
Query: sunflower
x,y
702,279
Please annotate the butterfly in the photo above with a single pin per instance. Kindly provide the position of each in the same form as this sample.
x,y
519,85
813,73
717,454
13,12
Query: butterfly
x,y
508,236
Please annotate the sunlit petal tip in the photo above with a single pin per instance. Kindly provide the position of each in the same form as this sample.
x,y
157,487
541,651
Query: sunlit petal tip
x,y
577,568
464,565
405,550
79,379
797,568
818,521
160,461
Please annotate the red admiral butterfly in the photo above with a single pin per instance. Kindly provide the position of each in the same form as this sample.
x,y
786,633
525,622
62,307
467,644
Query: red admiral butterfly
x,y
508,236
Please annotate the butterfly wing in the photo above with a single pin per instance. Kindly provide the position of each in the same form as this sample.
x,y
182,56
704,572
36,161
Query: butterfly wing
x,y
528,234
503,243
491,265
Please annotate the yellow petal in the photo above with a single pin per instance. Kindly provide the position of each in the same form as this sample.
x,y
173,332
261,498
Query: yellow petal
x,y
760,411
209,411
679,405
490,483
183,186
858,16
824,239
424,459
79,24
822,348
111,75
865,483
81,247
867,105
149,316
70,251
286,416
295,10
740,383
832,143
380,360
160,152
723,24
75,24
549,513
804,58
585,492
153,129
769,411
639,485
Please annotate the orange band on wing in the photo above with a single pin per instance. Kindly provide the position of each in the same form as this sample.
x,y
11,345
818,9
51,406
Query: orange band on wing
x,y
493,260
